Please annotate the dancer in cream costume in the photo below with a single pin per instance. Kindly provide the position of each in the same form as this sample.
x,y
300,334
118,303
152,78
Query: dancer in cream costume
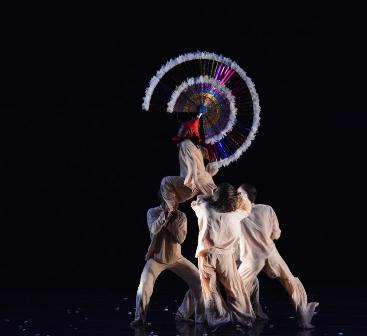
x,y
259,253
168,231
219,232
194,177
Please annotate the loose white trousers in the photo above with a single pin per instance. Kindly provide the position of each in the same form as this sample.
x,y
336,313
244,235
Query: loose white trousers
x,y
186,270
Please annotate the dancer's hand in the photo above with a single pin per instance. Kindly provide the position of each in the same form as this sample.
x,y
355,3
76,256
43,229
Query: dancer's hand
x,y
194,189
171,216
166,212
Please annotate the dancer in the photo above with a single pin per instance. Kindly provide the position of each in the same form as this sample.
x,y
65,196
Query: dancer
x,y
194,177
259,253
168,231
219,232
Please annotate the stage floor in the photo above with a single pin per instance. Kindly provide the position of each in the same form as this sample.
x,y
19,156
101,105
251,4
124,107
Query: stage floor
x,y
107,315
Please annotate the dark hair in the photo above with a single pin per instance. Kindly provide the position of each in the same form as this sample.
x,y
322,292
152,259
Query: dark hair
x,y
188,133
250,191
195,140
225,198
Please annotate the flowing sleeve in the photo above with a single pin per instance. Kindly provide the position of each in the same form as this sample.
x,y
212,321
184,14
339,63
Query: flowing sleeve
x,y
276,229
199,206
202,213
155,223
188,164
178,227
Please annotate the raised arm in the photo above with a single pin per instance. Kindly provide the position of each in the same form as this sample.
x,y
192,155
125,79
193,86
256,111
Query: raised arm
x,y
199,206
177,226
155,222
244,203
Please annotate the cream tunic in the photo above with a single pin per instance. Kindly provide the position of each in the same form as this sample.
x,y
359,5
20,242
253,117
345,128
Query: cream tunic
x,y
194,177
218,232
164,253
257,233
165,240
259,253
218,236
192,168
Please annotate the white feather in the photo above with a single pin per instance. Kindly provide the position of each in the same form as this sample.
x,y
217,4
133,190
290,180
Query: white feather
x,y
219,58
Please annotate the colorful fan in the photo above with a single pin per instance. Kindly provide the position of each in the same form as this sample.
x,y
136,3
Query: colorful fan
x,y
216,88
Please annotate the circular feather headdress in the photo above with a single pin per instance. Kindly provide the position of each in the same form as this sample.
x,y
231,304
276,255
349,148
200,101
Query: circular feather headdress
x,y
218,90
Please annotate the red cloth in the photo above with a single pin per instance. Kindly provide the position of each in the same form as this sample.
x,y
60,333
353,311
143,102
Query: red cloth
x,y
193,125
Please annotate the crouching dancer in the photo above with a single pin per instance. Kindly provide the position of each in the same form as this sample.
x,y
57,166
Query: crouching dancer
x,y
168,231
259,253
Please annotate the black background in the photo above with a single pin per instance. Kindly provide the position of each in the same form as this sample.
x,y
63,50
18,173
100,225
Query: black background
x,y
81,162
